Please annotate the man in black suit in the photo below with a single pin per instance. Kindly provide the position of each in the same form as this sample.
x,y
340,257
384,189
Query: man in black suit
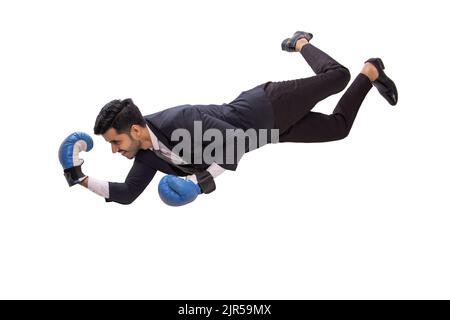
x,y
281,111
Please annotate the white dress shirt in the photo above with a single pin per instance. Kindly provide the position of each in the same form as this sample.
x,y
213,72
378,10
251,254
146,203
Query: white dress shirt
x,y
214,169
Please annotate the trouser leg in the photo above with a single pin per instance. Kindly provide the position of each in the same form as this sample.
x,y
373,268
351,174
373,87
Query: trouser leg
x,y
293,99
319,127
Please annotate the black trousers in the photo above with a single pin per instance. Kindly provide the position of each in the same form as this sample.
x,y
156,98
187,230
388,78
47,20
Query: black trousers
x,y
293,100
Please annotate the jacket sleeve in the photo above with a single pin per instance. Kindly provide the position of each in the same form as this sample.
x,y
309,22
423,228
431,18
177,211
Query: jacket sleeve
x,y
136,181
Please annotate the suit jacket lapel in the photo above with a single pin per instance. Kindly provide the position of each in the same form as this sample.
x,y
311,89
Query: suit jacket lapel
x,y
181,169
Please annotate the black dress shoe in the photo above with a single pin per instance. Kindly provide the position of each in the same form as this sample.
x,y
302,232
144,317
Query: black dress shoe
x,y
383,83
288,44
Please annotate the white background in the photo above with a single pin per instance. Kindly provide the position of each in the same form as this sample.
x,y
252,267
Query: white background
x,y
365,217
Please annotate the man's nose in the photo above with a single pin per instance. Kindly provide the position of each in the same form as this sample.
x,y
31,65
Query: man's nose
x,y
114,148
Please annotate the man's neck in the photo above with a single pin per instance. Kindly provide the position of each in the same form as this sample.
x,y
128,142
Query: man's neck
x,y
147,141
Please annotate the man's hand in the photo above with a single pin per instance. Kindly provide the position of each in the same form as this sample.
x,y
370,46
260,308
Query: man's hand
x,y
68,156
175,191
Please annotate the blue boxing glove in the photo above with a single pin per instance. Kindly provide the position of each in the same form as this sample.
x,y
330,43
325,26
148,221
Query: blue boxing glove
x,y
176,191
68,156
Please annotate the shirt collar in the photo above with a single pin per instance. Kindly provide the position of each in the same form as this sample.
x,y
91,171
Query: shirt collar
x,y
154,139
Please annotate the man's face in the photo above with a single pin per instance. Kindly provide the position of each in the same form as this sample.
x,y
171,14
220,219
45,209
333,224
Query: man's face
x,y
126,144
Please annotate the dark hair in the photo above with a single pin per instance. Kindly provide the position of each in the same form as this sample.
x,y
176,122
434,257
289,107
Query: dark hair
x,y
120,115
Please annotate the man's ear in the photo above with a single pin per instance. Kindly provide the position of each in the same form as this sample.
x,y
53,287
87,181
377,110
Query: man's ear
x,y
135,131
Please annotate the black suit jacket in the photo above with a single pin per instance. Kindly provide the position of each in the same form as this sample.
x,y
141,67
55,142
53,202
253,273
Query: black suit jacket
x,y
251,109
